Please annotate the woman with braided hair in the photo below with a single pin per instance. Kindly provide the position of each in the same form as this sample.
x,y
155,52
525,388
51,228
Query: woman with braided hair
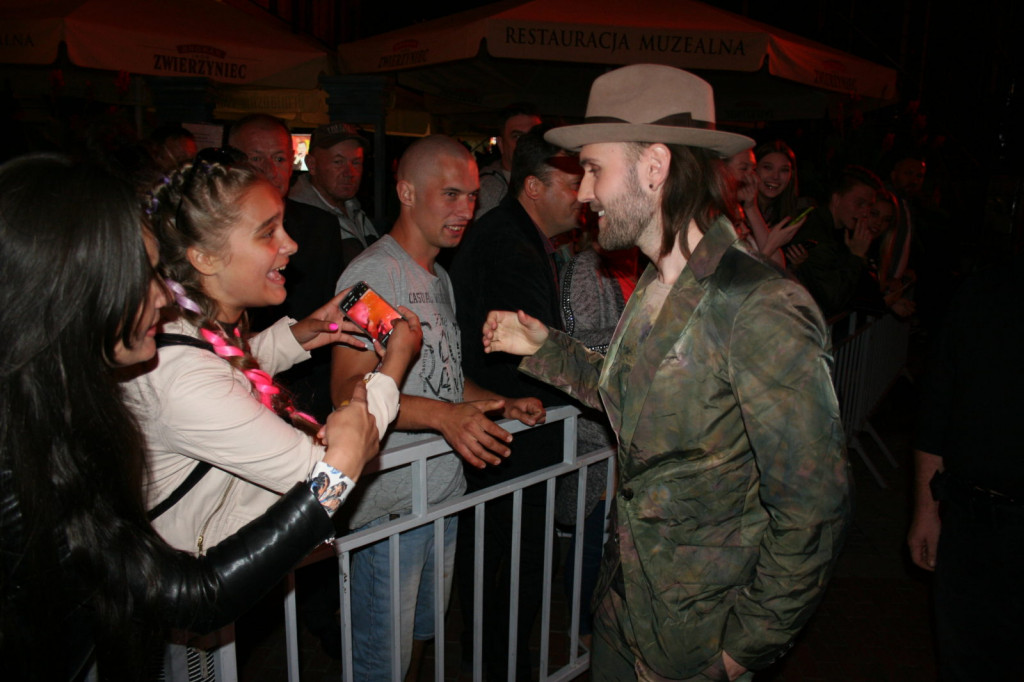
x,y
223,440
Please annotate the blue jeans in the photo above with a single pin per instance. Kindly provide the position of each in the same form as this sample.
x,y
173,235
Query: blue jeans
x,y
371,597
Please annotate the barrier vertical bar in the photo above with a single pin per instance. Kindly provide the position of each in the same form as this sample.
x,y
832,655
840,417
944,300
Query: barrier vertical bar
x,y
514,563
478,591
439,597
291,629
549,542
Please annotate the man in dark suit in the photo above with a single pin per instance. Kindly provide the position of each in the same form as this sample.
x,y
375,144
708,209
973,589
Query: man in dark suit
x,y
313,270
506,262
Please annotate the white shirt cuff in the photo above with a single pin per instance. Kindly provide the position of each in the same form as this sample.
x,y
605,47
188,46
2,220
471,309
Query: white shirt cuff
x,y
382,400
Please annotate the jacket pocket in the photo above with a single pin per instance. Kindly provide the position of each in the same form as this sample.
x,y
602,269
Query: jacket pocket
x,y
695,576
679,629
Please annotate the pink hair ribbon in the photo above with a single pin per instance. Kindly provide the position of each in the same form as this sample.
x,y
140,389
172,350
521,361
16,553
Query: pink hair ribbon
x,y
261,381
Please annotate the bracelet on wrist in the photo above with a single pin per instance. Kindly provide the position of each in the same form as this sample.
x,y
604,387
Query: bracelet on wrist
x,y
330,486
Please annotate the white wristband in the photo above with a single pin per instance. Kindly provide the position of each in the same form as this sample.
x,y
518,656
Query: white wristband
x,y
381,400
330,486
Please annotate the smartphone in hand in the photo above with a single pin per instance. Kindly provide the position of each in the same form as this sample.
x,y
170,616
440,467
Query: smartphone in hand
x,y
366,308
802,214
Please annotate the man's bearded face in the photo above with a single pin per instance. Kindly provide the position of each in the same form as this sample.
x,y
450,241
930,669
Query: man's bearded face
x,y
611,186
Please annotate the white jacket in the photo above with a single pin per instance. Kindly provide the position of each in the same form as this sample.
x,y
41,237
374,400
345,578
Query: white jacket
x,y
195,406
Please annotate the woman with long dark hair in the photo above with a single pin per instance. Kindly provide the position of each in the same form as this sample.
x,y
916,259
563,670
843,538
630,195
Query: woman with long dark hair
x,y
767,239
80,565
777,185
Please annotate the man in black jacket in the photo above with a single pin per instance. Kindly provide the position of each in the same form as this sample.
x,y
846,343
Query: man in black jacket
x,y
968,523
506,263
837,239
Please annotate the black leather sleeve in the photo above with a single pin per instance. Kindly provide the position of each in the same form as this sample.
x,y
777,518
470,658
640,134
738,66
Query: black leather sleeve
x,y
208,592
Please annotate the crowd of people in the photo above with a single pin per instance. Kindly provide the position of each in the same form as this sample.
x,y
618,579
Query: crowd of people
x,y
187,412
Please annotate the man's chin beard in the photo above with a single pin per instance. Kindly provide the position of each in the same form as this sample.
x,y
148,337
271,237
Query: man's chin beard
x,y
615,240
624,231
632,214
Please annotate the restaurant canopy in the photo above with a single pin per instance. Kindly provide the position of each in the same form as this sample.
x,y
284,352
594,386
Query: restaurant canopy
x,y
198,38
468,56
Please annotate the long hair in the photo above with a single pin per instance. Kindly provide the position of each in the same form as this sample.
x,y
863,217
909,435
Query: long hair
x,y
887,240
73,276
697,189
198,206
786,203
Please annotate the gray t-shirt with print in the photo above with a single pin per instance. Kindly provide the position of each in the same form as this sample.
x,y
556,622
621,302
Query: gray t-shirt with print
x,y
437,374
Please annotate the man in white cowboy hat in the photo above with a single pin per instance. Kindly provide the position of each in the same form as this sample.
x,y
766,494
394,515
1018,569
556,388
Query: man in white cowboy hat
x,y
733,492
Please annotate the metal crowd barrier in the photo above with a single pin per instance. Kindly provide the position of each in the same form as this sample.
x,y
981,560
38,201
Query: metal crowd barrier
x,y
423,514
871,356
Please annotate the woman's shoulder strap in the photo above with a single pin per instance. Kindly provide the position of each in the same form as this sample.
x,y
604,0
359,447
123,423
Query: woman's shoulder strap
x,y
164,340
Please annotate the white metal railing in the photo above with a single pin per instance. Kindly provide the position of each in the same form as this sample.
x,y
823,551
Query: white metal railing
x,y
867,362
422,514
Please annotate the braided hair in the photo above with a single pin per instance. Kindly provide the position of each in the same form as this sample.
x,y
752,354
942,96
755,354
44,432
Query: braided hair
x,y
197,206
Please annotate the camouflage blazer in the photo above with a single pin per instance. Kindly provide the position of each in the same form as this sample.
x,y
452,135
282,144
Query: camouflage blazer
x,y
733,492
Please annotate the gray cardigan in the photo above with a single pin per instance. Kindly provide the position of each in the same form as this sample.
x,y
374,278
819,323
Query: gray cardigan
x,y
592,303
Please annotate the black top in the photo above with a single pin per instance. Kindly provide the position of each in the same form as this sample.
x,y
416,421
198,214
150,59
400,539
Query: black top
x,y
502,265
972,410
831,272
183,591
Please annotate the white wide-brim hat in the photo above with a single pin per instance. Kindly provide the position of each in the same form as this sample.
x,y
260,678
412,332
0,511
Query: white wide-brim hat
x,y
650,103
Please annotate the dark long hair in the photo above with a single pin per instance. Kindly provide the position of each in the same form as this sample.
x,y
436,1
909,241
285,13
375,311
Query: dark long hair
x,y
73,275
696,189
786,203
